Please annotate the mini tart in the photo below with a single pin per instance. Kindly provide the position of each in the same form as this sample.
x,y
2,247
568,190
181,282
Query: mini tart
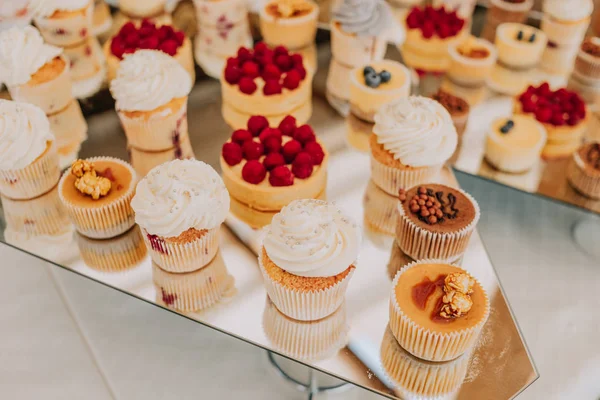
x,y
583,171
457,107
192,291
113,255
143,161
445,239
294,31
587,63
49,88
422,332
518,149
419,377
37,178
303,298
366,100
67,28
519,54
380,210
471,61
308,341
110,215
350,50
391,175
158,129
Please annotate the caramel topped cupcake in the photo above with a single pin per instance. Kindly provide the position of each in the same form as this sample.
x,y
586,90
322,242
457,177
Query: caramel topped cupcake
x,y
435,221
457,107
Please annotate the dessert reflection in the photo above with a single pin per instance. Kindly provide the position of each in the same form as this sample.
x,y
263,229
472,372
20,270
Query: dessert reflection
x,y
380,210
117,254
193,291
357,133
305,340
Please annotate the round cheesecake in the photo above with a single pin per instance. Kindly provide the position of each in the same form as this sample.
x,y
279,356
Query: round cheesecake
x,y
519,46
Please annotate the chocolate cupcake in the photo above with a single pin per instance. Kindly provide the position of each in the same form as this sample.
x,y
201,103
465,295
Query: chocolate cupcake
x,y
457,107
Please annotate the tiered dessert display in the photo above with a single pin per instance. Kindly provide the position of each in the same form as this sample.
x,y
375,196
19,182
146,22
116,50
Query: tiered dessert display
x,y
503,11
223,28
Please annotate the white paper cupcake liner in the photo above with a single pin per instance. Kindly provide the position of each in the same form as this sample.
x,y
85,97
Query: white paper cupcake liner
x,y
391,179
113,255
67,31
37,178
305,340
308,305
380,209
586,184
183,257
107,221
420,243
192,291
424,343
422,378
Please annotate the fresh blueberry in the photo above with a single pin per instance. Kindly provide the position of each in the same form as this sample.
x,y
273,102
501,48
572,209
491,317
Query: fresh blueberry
x,y
373,80
532,38
510,123
504,129
385,76
368,70
520,35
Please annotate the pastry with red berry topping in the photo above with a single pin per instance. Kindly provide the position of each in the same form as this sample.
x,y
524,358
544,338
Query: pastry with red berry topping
x,y
63,23
263,81
291,23
147,35
429,33
583,171
563,114
265,167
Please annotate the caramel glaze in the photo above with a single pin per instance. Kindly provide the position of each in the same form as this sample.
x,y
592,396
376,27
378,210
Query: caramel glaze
x,y
421,293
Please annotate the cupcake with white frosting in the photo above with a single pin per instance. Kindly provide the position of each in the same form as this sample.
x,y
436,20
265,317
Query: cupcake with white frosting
x,y
412,139
180,206
28,158
151,91
63,22
308,257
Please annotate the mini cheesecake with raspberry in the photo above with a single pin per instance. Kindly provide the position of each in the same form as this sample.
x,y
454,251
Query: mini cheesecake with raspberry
x,y
427,42
265,167
562,112
273,83
149,36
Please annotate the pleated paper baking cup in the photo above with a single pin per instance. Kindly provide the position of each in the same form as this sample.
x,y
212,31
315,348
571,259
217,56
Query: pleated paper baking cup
x,y
305,305
380,209
425,343
420,243
108,220
156,130
305,340
419,377
113,255
584,183
182,257
192,291
44,215
391,179
37,178
587,66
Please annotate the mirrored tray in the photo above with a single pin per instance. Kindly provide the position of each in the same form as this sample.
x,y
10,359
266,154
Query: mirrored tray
x,y
349,344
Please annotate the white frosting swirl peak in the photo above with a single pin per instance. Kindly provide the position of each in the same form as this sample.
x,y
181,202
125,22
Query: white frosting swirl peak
x,y
179,195
148,79
22,53
45,8
363,17
24,134
417,131
312,238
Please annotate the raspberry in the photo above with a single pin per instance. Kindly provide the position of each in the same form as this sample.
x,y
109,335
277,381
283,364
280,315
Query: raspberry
x,y
573,120
272,87
302,72
244,55
252,150
146,23
271,71
163,33
292,80
297,60
129,27
117,47
543,114
544,89
428,29
290,150
232,153
132,39
260,48
284,62
179,37
256,124
287,126
241,136
413,20
149,43
169,47
444,31
304,134
264,58
557,119
528,106
272,144
247,85
268,132
254,172
273,160
250,69
233,75
147,31
232,62
302,166
281,176
280,50
316,152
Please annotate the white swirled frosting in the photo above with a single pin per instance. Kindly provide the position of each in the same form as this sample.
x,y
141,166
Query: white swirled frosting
x,y
22,53
363,17
148,79
312,238
45,8
417,131
24,134
179,195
